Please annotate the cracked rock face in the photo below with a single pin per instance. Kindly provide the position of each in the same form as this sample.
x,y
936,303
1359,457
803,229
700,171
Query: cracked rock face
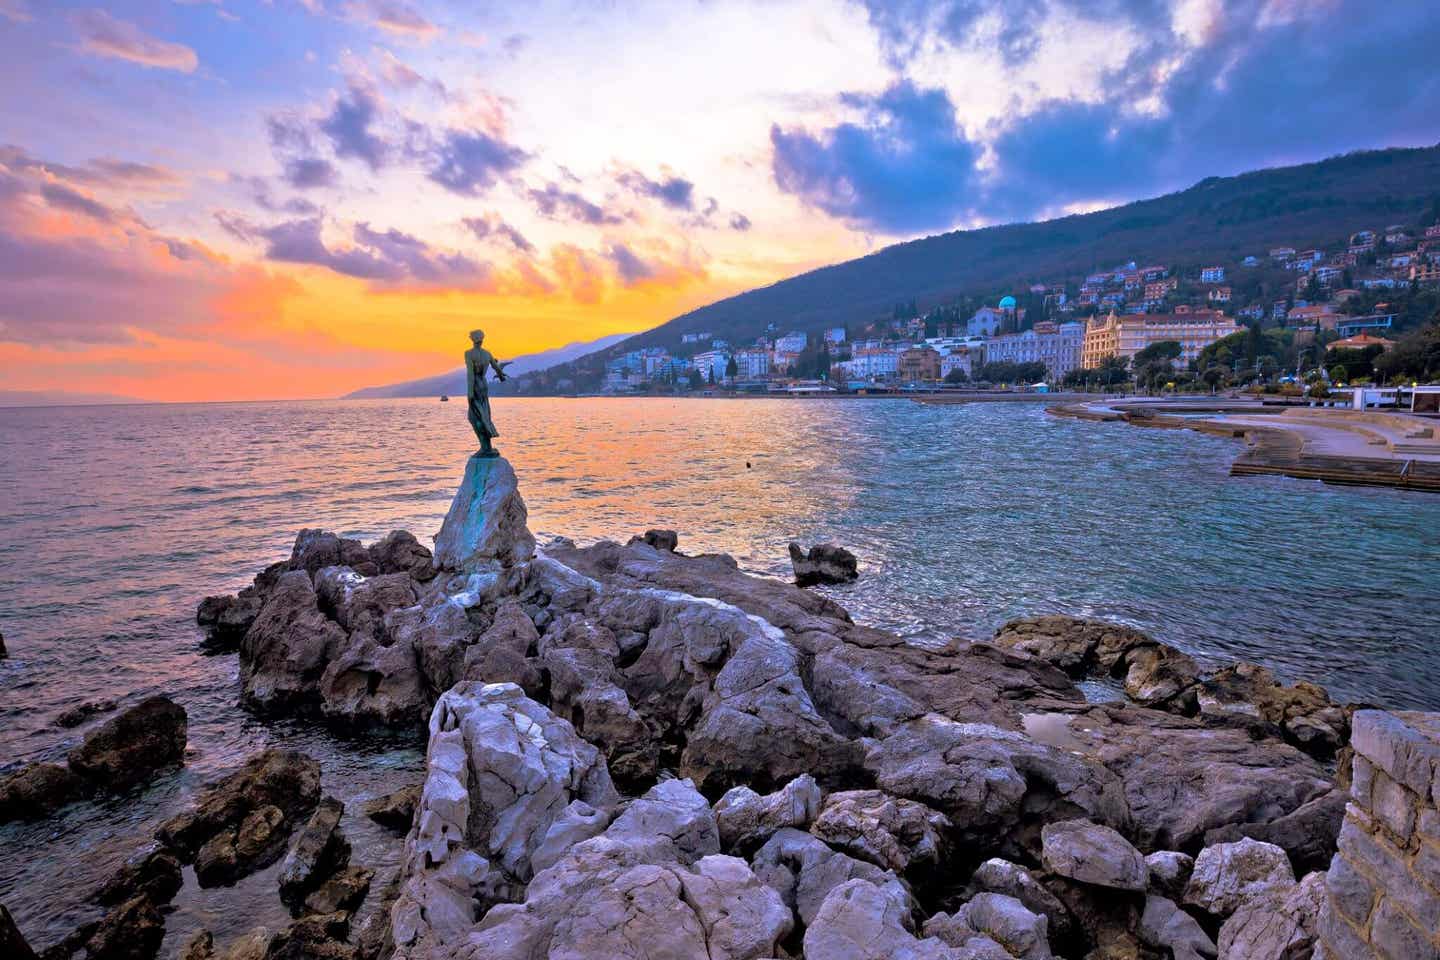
x,y
1227,876
1093,854
889,832
500,771
653,884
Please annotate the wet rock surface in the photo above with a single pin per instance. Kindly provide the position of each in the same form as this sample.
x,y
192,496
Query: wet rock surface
x,y
823,563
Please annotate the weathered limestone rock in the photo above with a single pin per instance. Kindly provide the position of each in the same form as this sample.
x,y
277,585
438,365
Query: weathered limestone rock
x,y
995,785
131,931
400,552
1165,926
368,682
823,563
500,770
486,524
862,921
1169,873
394,810
1158,672
889,832
226,618
1306,833
804,869
651,886
1022,933
758,723
1002,876
576,824
342,892
1227,876
317,851
360,604
155,872
667,540
235,821
1078,646
1278,926
37,790
747,819
1093,854
316,549
1304,713
256,843
287,648
130,748
502,653
12,944
1182,778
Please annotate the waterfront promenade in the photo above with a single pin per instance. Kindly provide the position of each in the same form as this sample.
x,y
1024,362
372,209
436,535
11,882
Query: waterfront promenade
x,y
1334,445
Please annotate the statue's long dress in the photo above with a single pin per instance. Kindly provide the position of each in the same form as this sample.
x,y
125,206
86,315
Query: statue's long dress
x,y
479,400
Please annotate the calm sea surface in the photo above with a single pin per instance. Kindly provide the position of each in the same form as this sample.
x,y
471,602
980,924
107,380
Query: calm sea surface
x,y
115,521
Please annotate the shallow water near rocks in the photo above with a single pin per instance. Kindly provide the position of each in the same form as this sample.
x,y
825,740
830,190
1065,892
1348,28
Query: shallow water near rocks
x,y
115,521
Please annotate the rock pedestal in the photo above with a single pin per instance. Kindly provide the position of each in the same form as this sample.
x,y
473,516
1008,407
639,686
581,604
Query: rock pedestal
x,y
1383,889
485,526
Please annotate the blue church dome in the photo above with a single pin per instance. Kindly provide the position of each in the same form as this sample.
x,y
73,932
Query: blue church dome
x,y
1007,303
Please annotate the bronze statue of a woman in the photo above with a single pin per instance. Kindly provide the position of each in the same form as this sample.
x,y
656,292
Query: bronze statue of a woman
x,y
477,359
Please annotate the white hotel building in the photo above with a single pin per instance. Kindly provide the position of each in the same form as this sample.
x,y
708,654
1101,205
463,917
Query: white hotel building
x,y
1058,346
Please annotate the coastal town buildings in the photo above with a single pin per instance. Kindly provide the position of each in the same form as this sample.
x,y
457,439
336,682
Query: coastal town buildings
x,y
1124,337
1058,346
919,364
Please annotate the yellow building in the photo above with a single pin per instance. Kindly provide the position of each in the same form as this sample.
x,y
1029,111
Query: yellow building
x,y
1126,336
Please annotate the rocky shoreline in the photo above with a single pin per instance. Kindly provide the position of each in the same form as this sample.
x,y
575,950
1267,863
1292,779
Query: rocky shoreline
x,y
634,752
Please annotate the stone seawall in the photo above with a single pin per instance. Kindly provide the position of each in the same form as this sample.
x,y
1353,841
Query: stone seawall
x,y
1383,888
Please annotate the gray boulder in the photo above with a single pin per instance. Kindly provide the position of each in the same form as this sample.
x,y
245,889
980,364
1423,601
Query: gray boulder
x,y
889,832
500,770
758,723
1169,873
318,850
747,819
667,540
862,921
133,746
1165,926
287,648
400,552
804,869
1001,876
1182,778
485,527
1093,854
993,784
650,886
823,563
1227,876
1280,925
1022,933
37,790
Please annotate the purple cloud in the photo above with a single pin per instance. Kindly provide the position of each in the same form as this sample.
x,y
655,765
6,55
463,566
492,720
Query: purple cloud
x,y
469,162
105,36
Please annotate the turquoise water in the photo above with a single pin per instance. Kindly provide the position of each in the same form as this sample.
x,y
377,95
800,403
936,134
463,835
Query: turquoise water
x,y
116,520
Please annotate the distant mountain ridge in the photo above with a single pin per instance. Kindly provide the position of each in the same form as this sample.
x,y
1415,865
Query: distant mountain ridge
x,y
1219,218
453,382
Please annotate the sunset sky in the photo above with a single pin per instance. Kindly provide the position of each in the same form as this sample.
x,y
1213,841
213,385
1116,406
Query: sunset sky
x,y
228,199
